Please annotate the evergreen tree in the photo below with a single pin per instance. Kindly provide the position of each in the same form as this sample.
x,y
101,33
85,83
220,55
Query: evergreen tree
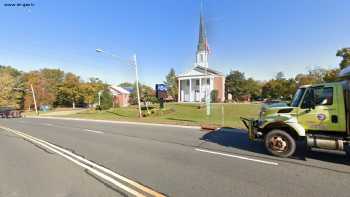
x,y
171,82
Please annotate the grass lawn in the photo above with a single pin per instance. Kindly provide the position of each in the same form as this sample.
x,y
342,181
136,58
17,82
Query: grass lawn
x,y
175,113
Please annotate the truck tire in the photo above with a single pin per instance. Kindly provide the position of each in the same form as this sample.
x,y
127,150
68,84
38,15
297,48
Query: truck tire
x,y
280,143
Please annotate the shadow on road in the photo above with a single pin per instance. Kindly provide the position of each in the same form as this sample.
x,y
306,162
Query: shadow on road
x,y
237,138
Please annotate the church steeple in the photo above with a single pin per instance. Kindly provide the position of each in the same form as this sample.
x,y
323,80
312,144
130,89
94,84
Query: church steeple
x,y
202,41
202,47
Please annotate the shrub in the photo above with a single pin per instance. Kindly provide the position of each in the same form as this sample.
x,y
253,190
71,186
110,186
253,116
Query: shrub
x,y
214,96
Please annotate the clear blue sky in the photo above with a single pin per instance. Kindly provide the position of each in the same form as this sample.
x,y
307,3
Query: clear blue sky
x,y
258,37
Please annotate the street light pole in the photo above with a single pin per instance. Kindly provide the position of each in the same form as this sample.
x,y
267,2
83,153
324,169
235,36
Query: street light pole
x,y
137,85
134,63
36,108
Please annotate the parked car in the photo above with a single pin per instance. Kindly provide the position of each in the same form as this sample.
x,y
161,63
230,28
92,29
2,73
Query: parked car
x,y
8,112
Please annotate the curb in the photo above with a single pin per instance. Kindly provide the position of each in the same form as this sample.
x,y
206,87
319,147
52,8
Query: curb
x,y
116,122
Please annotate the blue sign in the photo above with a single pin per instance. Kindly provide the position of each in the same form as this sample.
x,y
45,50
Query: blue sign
x,y
161,87
161,91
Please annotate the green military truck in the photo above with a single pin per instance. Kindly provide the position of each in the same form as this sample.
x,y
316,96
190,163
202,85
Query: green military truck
x,y
318,115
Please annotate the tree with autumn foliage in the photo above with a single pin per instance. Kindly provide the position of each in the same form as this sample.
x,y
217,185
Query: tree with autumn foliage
x,y
89,90
10,83
345,54
69,92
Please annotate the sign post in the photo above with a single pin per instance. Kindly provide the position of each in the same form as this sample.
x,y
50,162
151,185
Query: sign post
x,y
161,93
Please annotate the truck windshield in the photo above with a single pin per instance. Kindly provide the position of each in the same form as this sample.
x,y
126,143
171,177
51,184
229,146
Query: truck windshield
x,y
297,97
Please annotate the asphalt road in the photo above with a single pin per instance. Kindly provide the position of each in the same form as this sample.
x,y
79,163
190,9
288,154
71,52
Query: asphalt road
x,y
173,161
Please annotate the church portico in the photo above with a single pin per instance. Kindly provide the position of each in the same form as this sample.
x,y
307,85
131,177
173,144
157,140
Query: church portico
x,y
194,89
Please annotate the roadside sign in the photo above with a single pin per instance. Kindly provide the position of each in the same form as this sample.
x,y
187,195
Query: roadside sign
x,y
161,91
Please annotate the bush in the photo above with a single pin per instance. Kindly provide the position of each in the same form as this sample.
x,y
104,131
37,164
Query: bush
x,y
214,96
106,100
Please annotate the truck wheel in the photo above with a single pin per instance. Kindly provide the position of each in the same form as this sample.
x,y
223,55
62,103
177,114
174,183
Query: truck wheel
x,y
280,143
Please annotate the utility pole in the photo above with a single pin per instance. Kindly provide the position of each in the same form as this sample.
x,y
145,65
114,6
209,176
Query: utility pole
x,y
133,63
137,86
36,108
207,94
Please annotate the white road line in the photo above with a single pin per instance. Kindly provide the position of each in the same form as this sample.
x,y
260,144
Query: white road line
x,y
116,122
47,124
92,167
94,131
237,156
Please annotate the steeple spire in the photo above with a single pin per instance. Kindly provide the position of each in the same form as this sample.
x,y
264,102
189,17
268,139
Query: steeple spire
x,y
202,41
202,47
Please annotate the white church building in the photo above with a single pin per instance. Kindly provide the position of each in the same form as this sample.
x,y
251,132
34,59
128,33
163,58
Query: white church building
x,y
196,84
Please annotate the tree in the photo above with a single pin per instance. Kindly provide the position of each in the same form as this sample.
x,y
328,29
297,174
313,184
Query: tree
x,y
314,76
45,83
45,95
69,90
214,95
88,93
89,90
9,82
238,86
146,93
253,88
10,70
280,76
279,88
53,79
331,75
345,54
106,100
171,82
234,84
126,85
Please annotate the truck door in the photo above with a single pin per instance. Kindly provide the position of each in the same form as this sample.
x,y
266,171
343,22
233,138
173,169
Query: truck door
x,y
318,111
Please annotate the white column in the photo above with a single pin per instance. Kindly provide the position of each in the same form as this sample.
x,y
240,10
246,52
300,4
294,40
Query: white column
x,y
190,90
179,91
200,90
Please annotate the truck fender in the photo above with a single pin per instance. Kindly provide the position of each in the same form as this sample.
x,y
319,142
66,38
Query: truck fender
x,y
294,127
297,128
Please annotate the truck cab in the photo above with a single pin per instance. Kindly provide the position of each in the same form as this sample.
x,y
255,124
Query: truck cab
x,y
321,108
317,115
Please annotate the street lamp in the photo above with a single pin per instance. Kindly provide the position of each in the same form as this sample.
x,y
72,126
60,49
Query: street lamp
x,y
134,64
